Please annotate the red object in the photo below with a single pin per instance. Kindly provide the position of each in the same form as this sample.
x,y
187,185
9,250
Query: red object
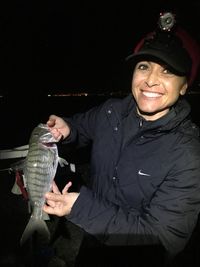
x,y
191,46
20,183
193,50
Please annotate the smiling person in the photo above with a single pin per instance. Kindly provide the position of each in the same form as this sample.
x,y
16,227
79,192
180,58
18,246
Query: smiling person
x,y
144,176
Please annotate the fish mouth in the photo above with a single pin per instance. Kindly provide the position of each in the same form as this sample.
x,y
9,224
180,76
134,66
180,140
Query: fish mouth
x,y
50,144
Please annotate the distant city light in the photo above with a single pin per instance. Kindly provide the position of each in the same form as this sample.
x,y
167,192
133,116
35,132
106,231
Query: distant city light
x,y
68,94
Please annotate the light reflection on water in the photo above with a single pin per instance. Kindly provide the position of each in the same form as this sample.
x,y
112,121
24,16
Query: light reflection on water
x,y
20,114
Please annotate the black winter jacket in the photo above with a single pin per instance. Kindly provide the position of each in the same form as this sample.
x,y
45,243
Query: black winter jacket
x,y
145,175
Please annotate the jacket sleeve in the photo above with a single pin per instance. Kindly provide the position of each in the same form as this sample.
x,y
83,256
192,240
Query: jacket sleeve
x,y
83,125
170,217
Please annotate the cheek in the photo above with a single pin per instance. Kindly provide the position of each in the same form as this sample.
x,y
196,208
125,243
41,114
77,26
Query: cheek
x,y
137,85
133,88
137,81
172,96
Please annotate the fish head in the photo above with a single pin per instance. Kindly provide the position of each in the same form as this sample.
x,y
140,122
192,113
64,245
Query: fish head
x,y
41,134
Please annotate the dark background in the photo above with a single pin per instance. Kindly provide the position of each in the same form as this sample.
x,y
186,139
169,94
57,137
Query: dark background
x,y
58,47
63,47
51,46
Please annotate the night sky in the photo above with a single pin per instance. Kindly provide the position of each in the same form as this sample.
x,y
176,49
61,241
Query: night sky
x,y
61,45
51,47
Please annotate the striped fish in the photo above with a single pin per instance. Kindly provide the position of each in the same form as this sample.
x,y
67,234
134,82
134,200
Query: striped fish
x,y
39,170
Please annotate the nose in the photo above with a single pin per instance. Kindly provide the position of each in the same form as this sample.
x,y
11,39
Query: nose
x,y
152,79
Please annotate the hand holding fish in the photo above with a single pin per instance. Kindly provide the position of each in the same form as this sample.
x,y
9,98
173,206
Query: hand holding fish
x,y
58,127
60,203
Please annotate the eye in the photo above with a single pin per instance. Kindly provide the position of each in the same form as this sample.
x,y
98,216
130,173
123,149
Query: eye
x,y
166,70
142,66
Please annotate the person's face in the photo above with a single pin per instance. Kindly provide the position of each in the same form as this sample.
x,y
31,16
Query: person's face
x,y
155,89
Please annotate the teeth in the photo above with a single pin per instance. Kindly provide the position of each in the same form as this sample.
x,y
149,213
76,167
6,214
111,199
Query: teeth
x,y
151,94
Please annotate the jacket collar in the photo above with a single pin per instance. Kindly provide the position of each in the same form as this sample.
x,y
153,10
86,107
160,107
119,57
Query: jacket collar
x,y
177,114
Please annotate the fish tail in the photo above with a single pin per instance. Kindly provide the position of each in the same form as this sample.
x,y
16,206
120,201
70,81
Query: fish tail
x,y
38,226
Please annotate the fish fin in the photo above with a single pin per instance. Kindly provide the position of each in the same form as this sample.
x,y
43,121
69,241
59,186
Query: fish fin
x,y
72,167
15,189
38,226
18,165
45,216
62,162
19,186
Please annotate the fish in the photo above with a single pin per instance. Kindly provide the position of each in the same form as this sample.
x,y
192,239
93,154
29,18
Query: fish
x,y
39,170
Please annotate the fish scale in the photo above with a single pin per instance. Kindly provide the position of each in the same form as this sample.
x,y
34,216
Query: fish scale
x,y
39,170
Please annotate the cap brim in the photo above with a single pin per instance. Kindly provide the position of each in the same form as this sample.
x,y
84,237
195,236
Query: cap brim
x,y
158,57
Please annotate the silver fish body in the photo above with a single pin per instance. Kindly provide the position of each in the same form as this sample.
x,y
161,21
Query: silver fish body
x,y
39,170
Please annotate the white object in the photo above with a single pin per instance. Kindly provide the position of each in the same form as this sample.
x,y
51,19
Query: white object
x,y
16,152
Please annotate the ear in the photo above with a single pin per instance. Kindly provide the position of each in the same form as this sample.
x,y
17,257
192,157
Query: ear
x,y
184,89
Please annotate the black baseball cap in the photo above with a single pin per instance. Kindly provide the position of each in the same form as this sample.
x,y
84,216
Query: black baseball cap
x,y
175,48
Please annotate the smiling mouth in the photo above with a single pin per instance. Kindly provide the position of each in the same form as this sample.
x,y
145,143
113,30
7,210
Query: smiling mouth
x,y
151,94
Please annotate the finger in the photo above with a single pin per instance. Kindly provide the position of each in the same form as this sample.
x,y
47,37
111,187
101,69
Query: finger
x,y
54,197
51,203
48,209
56,133
55,188
51,120
66,188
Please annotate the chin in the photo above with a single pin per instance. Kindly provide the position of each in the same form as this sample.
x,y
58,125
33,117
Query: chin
x,y
148,112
